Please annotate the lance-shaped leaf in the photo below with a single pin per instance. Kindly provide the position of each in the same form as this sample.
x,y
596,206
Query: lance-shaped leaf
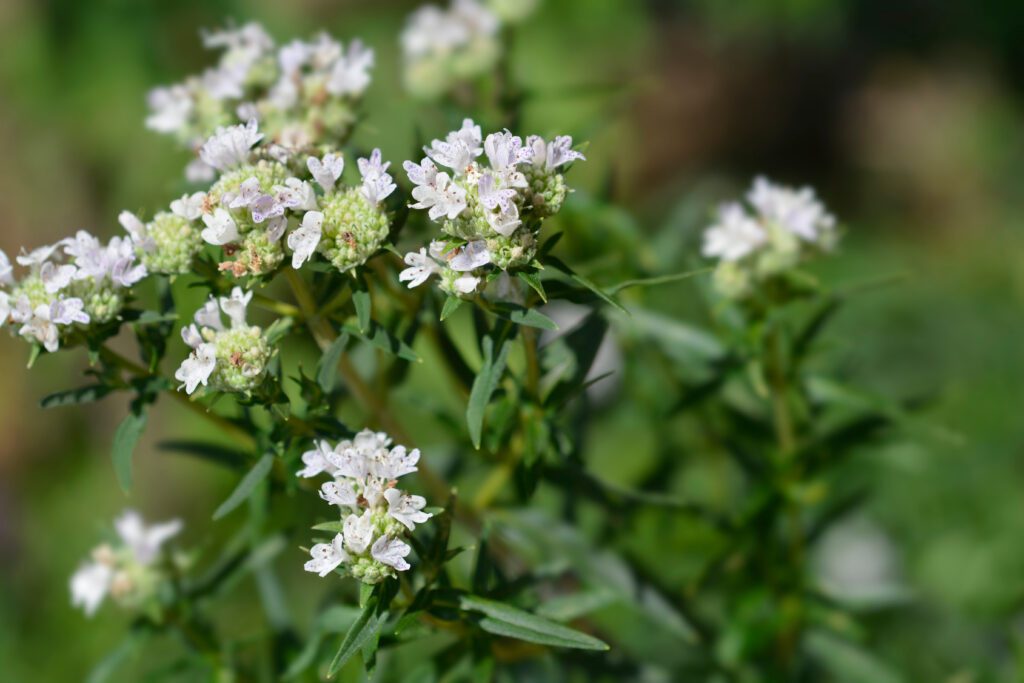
x,y
484,385
362,302
125,439
86,394
327,366
529,317
245,487
365,627
382,339
512,622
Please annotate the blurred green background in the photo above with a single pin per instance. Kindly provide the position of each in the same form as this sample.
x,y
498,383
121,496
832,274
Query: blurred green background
x,y
906,115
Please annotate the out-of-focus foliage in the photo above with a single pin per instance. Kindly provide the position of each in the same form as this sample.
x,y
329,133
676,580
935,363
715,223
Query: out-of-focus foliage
x,y
906,117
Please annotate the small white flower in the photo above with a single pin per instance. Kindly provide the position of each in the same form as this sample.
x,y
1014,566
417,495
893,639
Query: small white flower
x,y
466,284
795,210
734,236
443,197
68,311
339,492
191,336
56,277
351,72
315,461
470,257
39,325
327,556
248,192
359,532
326,171
171,108
297,194
198,171
406,509
6,269
303,240
197,368
38,256
459,149
234,306
377,183
493,198
506,221
89,585
208,315
391,551
276,227
505,152
220,228
421,267
145,541
394,463
349,462
189,206
230,147
551,155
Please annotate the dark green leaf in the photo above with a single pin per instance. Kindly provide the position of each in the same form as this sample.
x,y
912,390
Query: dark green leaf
x,y
277,330
327,366
512,622
245,487
125,439
361,299
484,385
529,317
382,339
365,627
533,280
451,304
154,317
579,279
86,394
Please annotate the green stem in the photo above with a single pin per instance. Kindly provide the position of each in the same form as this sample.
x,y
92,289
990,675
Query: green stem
x,y
114,358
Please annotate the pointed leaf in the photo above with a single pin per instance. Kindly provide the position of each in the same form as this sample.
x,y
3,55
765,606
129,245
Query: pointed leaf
x,y
365,627
86,394
451,304
512,622
245,487
361,299
327,366
530,317
125,439
484,385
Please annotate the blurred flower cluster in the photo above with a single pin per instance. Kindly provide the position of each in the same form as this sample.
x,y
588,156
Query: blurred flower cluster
x,y
784,227
304,94
129,569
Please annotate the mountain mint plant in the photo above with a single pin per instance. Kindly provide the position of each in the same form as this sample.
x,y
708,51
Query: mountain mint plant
x,y
313,345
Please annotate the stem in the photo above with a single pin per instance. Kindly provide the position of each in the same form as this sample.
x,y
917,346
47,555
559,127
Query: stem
x,y
238,432
324,334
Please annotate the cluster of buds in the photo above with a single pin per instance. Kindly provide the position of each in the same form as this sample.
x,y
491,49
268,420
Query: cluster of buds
x,y
375,515
303,93
443,48
490,213
263,193
128,569
784,227
230,358
70,285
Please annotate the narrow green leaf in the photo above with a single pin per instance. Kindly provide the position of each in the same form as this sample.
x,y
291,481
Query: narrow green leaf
x,y
484,385
383,340
520,315
86,394
277,330
120,655
253,477
361,299
533,280
586,282
656,280
512,622
364,628
451,304
327,366
333,527
154,317
125,439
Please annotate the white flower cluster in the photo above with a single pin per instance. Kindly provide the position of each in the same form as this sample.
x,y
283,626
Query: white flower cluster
x,y
375,515
76,282
443,48
303,93
785,226
127,570
265,199
491,212
225,358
